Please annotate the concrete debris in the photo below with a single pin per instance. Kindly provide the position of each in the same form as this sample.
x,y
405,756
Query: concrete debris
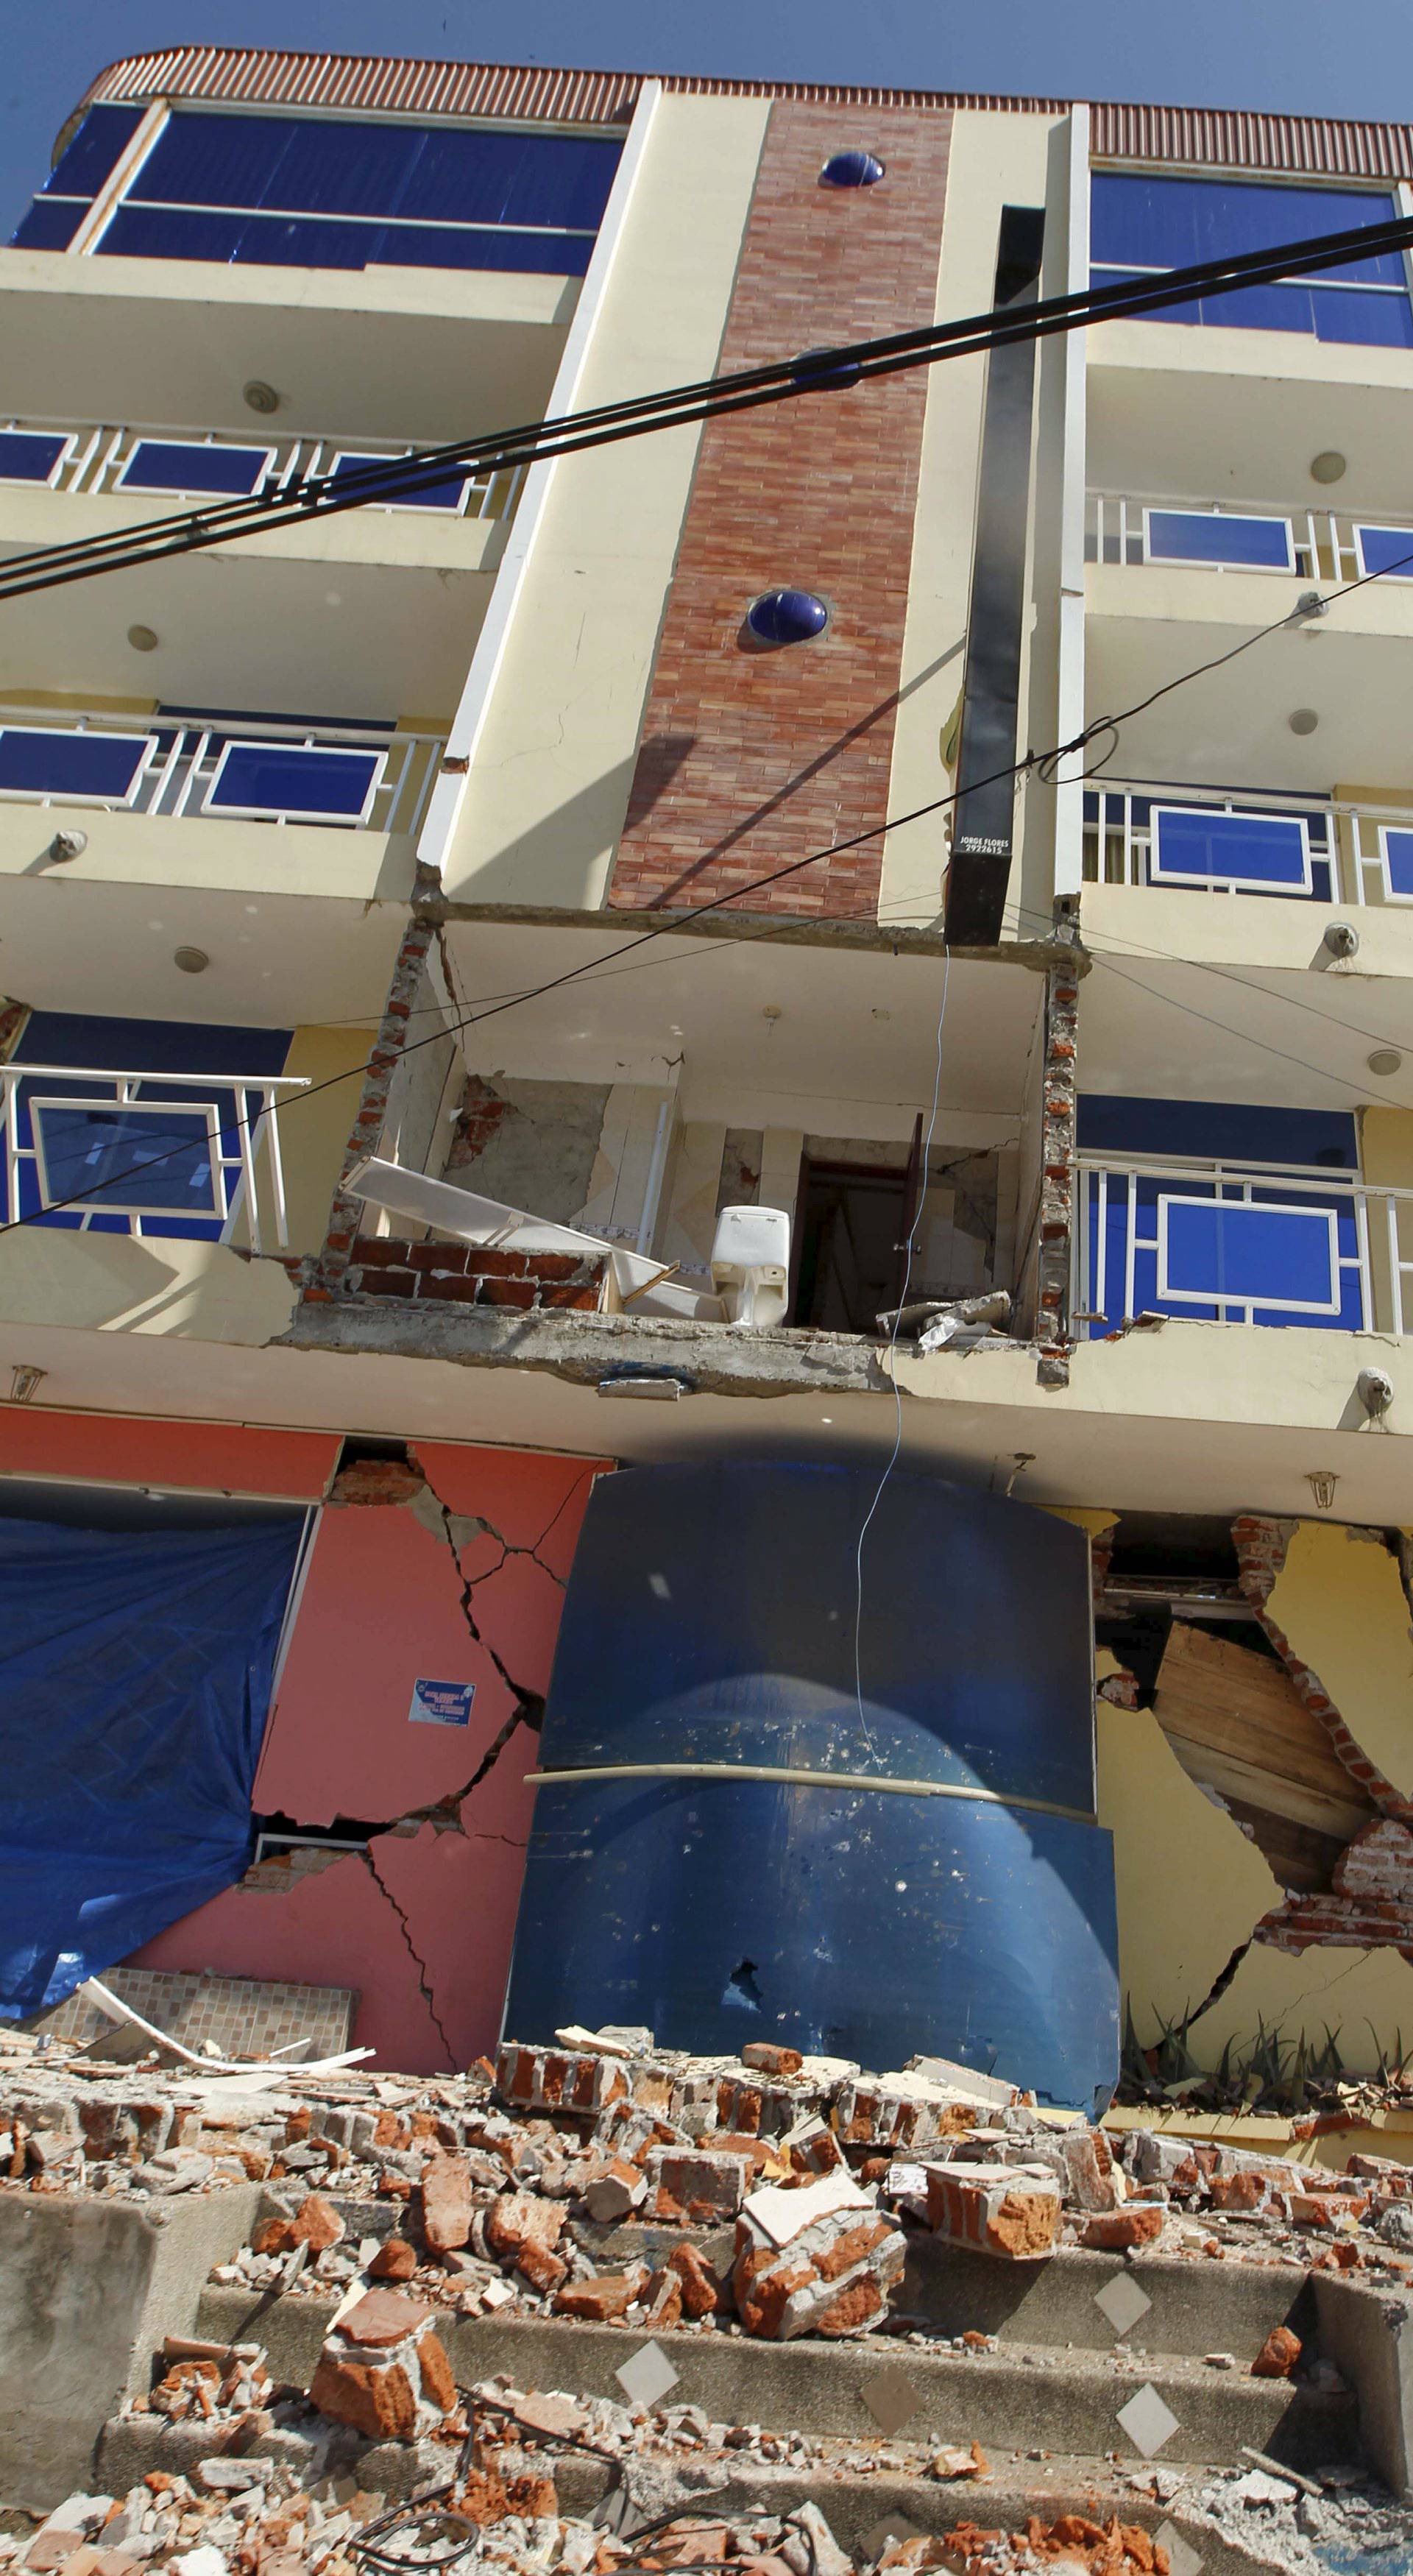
x,y
606,2179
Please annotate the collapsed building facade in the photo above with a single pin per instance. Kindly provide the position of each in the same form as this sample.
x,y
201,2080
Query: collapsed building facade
x,y
405,1277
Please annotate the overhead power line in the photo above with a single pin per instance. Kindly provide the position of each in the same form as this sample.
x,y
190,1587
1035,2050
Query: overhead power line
x,y
816,371
1044,764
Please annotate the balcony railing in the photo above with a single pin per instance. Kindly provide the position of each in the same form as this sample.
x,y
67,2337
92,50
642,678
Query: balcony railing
x,y
1268,1244
170,465
351,776
195,1155
1234,536
1266,843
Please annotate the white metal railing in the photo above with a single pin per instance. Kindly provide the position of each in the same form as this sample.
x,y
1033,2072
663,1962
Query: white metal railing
x,y
195,1154
1303,543
177,766
1146,1229
1354,854
98,457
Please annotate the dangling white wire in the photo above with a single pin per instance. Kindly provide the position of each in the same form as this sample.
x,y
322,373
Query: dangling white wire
x,y
893,1353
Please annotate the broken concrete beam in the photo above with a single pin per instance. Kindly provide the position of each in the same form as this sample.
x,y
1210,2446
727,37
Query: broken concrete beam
x,y
383,2371
995,2208
554,2079
832,2278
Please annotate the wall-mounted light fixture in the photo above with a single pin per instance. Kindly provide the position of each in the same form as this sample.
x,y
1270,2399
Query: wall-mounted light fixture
x,y
23,1383
1322,1485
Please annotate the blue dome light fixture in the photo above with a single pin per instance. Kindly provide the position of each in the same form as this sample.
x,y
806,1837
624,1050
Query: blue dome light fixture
x,y
786,617
852,170
826,368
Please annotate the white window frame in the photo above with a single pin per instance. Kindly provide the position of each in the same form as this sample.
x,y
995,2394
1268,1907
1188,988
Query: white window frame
x,y
1377,527
293,814
38,482
1405,832
1205,563
399,456
1246,1297
145,742
194,447
208,1110
1161,876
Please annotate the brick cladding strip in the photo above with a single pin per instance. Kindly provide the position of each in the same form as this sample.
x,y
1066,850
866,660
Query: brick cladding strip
x,y
750,759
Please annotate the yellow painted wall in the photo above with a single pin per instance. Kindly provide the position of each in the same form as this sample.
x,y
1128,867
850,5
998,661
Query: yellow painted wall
x,y
555,761
1386,1146
1189,1884
1339,1600
1364,1996
314,1133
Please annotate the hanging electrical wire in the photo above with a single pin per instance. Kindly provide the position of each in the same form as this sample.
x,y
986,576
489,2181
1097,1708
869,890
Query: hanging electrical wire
x,y
816,371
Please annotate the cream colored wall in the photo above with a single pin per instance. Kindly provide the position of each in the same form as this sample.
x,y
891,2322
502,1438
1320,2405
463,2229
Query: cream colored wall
x,y
995,160
549,789
111,1283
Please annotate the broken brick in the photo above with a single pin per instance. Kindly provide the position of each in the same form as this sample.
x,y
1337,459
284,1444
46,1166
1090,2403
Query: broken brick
x,y
447,2202
701,2290
395,2260
608,2296
1278,2354
994,2208
377,2401
524,2231
1118,2231
768,2059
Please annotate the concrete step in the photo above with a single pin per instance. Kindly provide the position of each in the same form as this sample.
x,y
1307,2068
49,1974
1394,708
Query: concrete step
x,y
1019,2397
1195,2306
854,2503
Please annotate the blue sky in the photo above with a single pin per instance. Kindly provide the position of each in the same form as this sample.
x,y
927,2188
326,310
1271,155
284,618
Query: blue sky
x,y
1354,59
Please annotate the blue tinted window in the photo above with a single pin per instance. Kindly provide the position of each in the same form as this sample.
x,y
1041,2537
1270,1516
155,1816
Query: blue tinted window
x,y
1216,536
432,496
282,241
30,455
1193,847
1386,550
1224,1131
181,465
1145,222
150,1046
41,762
1219,1249
317,192
283,778
1398,864
50,224
92,1153
90,155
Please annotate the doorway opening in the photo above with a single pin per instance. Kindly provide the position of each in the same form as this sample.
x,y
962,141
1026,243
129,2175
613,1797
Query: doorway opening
x,y
851,1224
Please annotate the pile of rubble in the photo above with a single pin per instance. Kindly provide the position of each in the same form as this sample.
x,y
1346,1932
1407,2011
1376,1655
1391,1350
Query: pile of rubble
x,y
607,2180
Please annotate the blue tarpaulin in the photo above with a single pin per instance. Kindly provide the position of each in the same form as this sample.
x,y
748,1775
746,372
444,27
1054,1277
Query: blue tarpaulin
x,y
135,1677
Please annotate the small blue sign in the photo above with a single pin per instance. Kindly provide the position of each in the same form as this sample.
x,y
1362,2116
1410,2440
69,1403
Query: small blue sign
x,y
441,1703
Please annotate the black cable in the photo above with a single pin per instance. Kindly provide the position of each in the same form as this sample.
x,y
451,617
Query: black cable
x,y
1043,763
816,371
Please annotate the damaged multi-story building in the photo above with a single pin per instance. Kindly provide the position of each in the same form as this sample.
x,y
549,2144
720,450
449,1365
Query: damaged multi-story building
x,y
553,1023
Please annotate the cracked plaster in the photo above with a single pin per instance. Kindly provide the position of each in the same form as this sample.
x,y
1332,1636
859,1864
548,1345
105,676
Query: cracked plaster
x,y
1364,1996
462,1579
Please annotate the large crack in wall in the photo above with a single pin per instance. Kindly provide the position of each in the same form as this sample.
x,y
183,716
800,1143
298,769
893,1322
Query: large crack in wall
x,y
402,1841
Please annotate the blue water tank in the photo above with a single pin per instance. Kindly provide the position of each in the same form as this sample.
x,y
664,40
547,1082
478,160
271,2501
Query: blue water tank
x,y
710,1620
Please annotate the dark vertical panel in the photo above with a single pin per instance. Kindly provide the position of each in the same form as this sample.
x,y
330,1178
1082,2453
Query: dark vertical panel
x,y
985,808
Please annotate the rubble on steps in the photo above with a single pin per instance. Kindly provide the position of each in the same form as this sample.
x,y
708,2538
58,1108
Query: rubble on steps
x,y
604,2179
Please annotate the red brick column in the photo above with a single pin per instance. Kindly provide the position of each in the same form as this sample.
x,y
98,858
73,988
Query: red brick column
x,y
752,758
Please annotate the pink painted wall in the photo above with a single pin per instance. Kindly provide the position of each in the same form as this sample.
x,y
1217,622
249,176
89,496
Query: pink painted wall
x,y
219,1457
381,1606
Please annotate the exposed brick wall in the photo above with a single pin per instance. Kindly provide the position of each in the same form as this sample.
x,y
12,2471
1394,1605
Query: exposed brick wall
x,y
471,1274
1056,1217
751,759
329,1271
